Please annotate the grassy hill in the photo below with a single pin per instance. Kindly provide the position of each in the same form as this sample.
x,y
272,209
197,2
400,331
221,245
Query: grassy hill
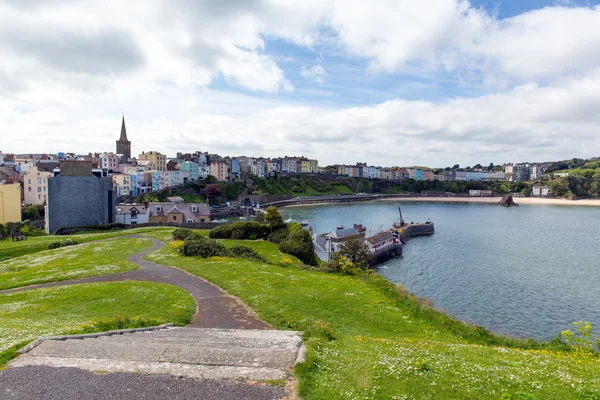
x,y
369,339
366,337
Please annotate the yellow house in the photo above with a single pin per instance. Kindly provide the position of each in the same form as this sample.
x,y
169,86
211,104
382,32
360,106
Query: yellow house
x,y
157,161
10,202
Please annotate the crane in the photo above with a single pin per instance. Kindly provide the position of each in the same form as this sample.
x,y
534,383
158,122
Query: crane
x,y
402,223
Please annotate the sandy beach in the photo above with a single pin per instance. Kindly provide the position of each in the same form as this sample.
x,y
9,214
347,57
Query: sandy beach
x,y
489,200
518,200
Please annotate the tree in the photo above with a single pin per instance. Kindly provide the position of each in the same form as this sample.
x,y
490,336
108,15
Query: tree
x,y
212,190
31,212
477,166
357,251
456,166
273,217
259,217
210,179
491,166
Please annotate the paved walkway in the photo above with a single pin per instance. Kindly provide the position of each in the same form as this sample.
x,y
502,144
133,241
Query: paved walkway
x,y
216,308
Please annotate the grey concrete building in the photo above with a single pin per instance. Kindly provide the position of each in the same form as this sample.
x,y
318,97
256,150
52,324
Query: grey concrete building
x,y
77,197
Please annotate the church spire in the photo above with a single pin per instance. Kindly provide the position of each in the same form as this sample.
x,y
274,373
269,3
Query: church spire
x,y
123,130
124,145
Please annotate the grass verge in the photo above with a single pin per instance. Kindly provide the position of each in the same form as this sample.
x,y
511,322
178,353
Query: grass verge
x,y
368,340
84,260
25,316
34,244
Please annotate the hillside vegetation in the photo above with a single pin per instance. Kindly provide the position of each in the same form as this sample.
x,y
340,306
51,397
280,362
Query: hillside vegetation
x,y
369,339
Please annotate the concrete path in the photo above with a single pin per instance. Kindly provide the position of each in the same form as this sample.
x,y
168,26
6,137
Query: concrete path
x,y
183,352
216,308
47,383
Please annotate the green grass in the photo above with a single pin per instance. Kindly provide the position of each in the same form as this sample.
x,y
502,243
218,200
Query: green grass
x,y
79,261
10,249
25,316
366,339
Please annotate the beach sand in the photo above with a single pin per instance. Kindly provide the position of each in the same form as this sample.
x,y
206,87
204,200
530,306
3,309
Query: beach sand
x,y
488,200
518,200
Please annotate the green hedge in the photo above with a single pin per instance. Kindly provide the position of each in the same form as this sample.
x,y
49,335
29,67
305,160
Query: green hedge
x,y
241,251
200,246
241,231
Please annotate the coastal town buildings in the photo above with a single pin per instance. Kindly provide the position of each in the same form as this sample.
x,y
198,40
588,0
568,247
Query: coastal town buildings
x,y
154,159
177,211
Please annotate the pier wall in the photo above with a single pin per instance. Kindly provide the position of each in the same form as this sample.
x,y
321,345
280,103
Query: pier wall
x,y
386,254
416,230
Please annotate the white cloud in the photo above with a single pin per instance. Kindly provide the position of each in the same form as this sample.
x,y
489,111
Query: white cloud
x,y
529,122
316,73
68,68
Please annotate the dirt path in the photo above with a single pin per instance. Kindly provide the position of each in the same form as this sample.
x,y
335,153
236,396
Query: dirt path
x,y
215,308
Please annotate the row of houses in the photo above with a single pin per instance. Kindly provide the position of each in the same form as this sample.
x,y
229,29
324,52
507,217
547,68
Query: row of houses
x,y
328,243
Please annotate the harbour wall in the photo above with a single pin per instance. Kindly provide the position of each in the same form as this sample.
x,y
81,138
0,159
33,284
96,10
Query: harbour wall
x,y
412,230
386,254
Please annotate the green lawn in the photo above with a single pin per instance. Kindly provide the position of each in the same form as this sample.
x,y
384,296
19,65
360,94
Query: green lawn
x,y
10,249
367,340
267,249
90,259
25,316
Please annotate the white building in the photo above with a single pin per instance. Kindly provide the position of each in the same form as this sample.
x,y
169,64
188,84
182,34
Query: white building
x,y
371,172
131,214
288,164
110,161
540,191
35,184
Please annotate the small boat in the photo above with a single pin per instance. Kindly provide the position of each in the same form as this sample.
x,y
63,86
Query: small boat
x,y
306,225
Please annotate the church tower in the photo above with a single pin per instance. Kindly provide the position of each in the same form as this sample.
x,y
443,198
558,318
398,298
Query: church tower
x,y
124,145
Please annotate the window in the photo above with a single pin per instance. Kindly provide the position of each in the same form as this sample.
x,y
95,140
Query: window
x,y
202,220
29,181
29,189
39,190
174,218
158,209
194,208
133,214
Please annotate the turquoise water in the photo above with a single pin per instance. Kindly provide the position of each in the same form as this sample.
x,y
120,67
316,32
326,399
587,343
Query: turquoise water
x,y
527,271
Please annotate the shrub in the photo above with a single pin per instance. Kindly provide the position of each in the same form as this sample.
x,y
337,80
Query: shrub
x,y
181,234
273,217
241,251
28,230
221,232
3,230
281,232
196,236
300,245
70,242
240,231
54,245
341,263
204,248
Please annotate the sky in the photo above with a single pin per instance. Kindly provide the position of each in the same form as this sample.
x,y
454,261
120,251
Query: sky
x,y
387,82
